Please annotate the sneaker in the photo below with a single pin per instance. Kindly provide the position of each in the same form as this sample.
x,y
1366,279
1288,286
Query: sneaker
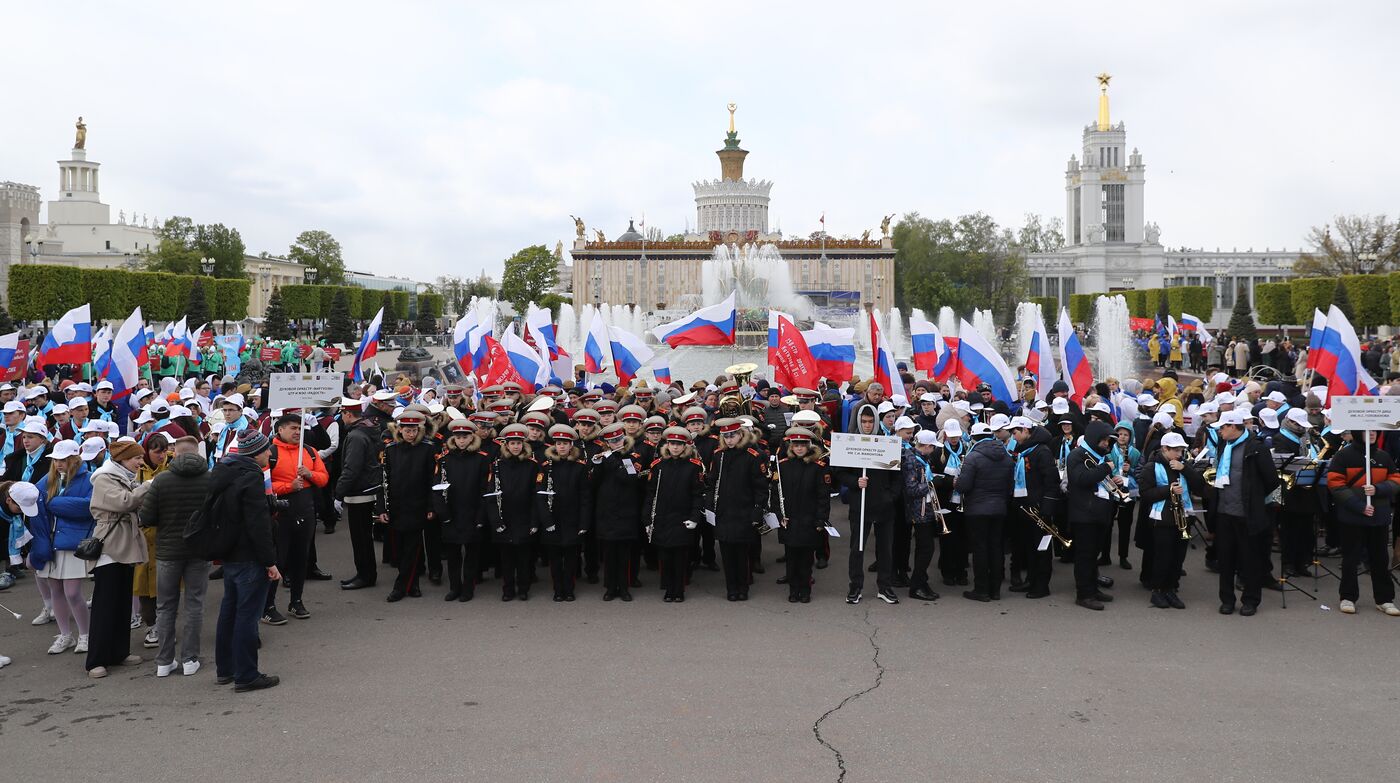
x,y
131,660
189,667
1174,601
4,661
135,621
298,610
165,669
853,597
97,672
60,643
888,596
152,639
263,681
1388,609
44,616
1348,607
273,617
1159,601
82,645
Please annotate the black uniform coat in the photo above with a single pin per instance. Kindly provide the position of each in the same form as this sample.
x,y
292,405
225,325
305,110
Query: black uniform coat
x,y
675,494
736,490
618,495
1085,506
510,515
805,487
410,471
461,507
1150,491
563,516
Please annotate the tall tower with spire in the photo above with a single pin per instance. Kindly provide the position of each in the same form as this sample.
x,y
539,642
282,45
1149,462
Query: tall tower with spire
x,y
1104,190
731,203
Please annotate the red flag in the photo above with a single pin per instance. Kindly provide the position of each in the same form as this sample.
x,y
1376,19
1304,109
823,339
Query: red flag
x,y
951,368
19,365
795,365
498,368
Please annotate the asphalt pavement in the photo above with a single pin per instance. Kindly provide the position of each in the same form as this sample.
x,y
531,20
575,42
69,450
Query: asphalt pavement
x,y
710,690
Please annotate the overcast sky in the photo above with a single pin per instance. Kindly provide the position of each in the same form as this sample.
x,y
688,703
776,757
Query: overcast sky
x,y
438,138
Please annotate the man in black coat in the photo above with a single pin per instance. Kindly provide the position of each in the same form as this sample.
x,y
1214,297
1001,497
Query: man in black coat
x,y
1036,485
1091,509
985,483
357,488
1244,477
237,485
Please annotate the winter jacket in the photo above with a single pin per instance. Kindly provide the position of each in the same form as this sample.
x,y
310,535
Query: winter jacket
x,y
360,471
1150,491
617,494
1346,480
1042,475
16,461
239,492
510,514
406,489
1085,476
985,482
563,516
173,497
284,473
116,496
802,495
736,490
62,521
674,496
461,507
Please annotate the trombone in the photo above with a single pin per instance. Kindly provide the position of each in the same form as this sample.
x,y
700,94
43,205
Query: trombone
x,y
1041,522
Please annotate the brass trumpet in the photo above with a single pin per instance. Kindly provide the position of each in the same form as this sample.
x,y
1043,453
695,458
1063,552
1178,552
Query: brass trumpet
x,y
1116,493
1046,526
1179,515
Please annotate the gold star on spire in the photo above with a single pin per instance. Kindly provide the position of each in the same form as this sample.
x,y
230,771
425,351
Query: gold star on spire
x,y
1103,78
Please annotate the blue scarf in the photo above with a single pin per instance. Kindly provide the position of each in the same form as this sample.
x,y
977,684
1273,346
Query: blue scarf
x,y
1129,472
954,457
1162,481
1222,468
1019,476
29,462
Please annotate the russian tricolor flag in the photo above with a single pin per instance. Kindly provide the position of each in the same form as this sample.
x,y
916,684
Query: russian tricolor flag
x,y
1319,325
1039,361
979,362
597,347
528,361
1190,323
629,354
713,325
537,321
834,349
1340,358
929,349
179,342
70,340
128,356
1075,363
242,341
466,342
663,374
885,373
9,345
369,346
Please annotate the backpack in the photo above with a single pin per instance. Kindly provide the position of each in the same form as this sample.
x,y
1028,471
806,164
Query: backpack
x,y
210,533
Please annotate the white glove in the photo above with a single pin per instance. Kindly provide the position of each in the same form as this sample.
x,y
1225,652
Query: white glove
x,y
339,509
689,525
549,529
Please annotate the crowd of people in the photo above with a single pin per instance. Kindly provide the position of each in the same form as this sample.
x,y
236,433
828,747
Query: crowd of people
x,y
140,504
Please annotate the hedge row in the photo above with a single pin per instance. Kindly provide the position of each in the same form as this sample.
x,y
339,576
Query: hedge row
x,y
44,292
1081,307
1049,308
314,301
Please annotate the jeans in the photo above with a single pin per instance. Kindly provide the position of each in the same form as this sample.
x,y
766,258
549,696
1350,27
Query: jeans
x,y
882,531
169,575
236,639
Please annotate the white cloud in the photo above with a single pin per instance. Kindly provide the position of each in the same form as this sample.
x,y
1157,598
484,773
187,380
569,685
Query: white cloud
x,y
435,138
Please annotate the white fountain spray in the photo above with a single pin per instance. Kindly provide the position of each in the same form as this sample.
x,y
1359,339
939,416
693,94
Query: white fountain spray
x,y
947,322
567,328
1027,316
983,322
758,273
863,331
1114,340
895,334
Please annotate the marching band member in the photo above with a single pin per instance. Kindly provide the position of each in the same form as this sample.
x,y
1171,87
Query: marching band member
x,y
802,500
1092,509
619,486
1126,462
985,483
1167,481
872,497
563,507
952,561
922,481
736,492
510,511
674,509
406,496
1244,477
1035,486
465,467
1297,536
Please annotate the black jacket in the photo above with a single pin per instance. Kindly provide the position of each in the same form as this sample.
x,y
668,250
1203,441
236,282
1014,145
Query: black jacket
x,y
674,495
510,515
736,490
174,496
618,495
986,481
1082,499
802,494
1042,476
1260,478
564,515
238,482
407,486
461,507
1150,491
14,465
360,473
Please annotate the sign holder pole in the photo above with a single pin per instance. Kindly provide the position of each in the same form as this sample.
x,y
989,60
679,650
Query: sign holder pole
x,y
862,514
1367,436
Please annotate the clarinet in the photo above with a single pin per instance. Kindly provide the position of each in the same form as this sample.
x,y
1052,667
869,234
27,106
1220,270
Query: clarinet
x,y
655,498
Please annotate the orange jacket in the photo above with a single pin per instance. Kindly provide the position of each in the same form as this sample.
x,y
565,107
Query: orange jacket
x,y
285,471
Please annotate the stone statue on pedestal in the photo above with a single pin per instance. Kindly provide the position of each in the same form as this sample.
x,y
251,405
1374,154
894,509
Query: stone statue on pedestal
x,y
885,226
1151,233
80,142
578,227
598,232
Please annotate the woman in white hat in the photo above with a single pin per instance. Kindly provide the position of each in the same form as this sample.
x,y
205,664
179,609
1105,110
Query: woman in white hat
x,y
63,518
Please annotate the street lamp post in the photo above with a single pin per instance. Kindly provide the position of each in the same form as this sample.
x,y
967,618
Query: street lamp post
x,y
207,264
35,248
311,275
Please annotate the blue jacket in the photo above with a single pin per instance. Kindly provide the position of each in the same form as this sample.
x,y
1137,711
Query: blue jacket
x,y
63,521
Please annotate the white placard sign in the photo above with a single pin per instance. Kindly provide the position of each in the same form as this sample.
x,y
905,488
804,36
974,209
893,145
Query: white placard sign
x,y
876,452
303,390
1365,413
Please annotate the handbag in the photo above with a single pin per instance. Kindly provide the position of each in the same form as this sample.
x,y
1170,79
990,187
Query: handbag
x,y
90,548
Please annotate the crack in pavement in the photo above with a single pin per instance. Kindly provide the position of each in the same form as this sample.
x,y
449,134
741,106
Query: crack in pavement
x,y
879,677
